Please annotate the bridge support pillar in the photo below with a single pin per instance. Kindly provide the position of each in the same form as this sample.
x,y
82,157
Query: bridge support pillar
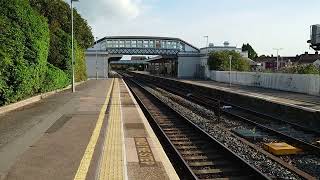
x,y
98,64
188,66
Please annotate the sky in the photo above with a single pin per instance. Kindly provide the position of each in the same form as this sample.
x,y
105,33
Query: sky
x,y
265,24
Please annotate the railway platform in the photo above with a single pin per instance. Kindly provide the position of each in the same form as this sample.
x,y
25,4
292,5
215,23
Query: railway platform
x,y
99,132
293,107
303,101
298,100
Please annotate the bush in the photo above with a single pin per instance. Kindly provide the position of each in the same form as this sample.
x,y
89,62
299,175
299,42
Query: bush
x,y
303,69
54,79
219,61
24,39
308,69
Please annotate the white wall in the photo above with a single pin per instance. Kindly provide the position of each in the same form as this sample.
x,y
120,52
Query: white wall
x,y
302,83
187,66
91,66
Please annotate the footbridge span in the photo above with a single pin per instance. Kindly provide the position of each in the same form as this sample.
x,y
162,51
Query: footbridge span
x,y
112,48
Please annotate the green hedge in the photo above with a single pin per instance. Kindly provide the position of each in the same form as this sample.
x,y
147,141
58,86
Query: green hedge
x,y
80,64
58,14
60,54
24,39
35,51
55,78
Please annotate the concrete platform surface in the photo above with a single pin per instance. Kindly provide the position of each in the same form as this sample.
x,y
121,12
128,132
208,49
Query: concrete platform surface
x,y
99,132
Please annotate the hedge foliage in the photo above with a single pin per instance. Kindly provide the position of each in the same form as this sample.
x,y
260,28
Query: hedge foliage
x,y
80,64
35,51
58,14
55,78
24,39
60,50
219,61
60,54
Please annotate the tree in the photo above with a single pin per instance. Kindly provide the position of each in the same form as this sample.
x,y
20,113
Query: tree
x,y
219,61
60,50
58,14
251,52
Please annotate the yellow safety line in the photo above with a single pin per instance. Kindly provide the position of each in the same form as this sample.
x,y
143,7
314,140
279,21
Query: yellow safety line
x,y
87,156
111,166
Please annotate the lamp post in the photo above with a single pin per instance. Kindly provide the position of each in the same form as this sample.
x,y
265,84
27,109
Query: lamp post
x,y
277,49
204,62
230,58
96,59
72,53
207,37
104,67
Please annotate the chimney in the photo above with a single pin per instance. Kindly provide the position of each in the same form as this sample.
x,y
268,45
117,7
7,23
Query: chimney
x,y
306,53
317,53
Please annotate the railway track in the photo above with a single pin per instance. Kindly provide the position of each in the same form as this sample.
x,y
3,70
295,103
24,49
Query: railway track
x,y
301,137
292,133
200,155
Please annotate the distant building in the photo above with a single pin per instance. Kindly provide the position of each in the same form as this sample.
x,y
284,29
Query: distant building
x,y
270,62
226,47
306,59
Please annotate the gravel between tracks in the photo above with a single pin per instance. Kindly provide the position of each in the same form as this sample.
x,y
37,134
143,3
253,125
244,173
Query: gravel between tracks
x,y
210,125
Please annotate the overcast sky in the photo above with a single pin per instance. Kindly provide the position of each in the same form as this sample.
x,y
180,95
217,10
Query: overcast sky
x,y
265,24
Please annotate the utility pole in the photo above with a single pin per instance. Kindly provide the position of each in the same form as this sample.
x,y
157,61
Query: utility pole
x,y
277,49
72,51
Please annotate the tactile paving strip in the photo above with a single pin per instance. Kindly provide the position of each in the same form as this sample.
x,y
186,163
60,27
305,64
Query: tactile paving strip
x,y
112,161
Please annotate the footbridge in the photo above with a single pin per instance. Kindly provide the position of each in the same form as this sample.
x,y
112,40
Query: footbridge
x,y
112,48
